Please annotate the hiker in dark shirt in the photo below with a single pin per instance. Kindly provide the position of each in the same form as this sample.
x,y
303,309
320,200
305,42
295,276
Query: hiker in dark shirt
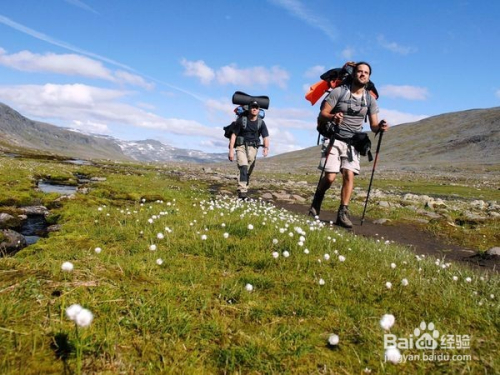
x,y
344,110
245,140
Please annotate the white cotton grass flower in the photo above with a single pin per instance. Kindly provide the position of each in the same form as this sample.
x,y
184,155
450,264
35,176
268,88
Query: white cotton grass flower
x,y
203,237
326,256
226,235
67,266
152,247
393,265
286,254
306,251
72,311
250,227
455,278
404,282
468,279
333,339
84,318
341,258
392,354
321,282
388,285
249,287
159,261
387,321
160,236
275,241
97,250
492,296
276,255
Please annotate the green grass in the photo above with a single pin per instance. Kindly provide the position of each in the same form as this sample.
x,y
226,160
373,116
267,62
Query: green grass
x,y
192,313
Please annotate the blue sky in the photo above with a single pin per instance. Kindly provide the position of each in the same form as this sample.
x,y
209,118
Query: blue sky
x,y
167,70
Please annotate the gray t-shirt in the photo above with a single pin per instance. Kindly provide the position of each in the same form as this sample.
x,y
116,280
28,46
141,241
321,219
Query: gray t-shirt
x,y
354,109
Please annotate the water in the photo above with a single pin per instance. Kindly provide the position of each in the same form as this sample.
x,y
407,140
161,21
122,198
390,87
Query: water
x,y
33,228
47,187
78,162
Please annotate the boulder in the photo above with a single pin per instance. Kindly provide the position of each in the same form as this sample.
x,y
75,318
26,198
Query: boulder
x,y
12,242
494,251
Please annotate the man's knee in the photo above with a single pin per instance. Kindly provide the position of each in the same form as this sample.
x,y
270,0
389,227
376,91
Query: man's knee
x,y
330,178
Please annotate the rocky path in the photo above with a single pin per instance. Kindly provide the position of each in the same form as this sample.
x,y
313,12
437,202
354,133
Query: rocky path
x,y
408,235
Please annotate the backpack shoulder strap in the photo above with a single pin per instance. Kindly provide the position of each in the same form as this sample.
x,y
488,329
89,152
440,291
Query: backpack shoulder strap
x,y
344,91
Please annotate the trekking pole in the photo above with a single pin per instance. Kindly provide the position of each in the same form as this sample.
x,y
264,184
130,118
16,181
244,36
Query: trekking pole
x,y
373,172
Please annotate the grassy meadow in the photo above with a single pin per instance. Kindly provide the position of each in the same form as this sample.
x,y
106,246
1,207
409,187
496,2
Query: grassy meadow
x,y
172,278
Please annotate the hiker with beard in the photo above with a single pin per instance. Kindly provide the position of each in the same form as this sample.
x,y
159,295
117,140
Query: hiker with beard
x,y
245,140
343,112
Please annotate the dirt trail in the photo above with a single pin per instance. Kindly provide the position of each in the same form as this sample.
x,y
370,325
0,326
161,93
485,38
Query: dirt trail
x,y
410,236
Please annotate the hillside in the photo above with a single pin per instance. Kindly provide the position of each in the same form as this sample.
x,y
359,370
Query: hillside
x,y
466,140
19,134
22,133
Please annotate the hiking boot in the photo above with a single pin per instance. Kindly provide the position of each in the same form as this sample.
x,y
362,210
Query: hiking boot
x,y
242,195
313,212
343,219
316,204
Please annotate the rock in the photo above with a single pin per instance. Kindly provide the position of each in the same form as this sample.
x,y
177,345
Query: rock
x,y
5,220
471,216
267,196
478,204
494,251
381,221
298,198
281,196
12,243
34,210
54,228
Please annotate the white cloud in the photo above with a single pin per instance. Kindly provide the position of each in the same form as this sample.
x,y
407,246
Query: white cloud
x,y
395,47
198,69
405,92
90,127
299,10
231,74
394,117
81,5
259,76
133,79
40,36
78,102
315,71
68,64
347,53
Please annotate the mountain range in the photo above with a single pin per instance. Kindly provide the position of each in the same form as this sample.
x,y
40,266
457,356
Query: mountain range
x,y
20,133
467,140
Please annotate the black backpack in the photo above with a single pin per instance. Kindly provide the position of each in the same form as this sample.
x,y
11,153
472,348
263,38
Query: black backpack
x,y
241,113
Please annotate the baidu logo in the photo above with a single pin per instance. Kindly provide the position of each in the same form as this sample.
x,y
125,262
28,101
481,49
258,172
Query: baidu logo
x,y
424,337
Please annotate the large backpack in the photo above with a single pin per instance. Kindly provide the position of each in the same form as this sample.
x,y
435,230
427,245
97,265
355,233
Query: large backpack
x,y
241,116
334,78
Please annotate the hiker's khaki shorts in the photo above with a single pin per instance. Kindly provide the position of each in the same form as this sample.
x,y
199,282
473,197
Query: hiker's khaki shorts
x,y
338,158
